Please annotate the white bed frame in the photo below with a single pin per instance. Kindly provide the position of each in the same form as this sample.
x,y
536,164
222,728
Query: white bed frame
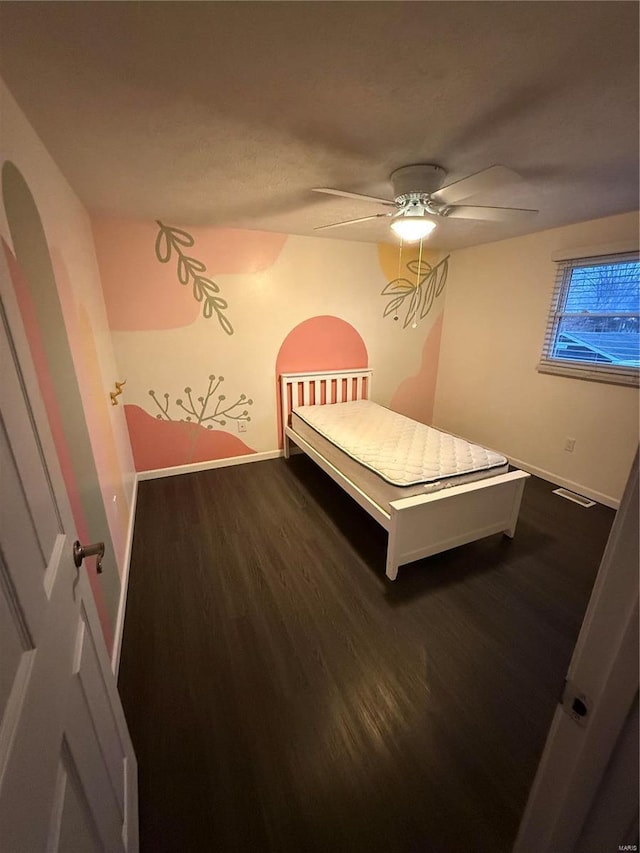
x,y
418,526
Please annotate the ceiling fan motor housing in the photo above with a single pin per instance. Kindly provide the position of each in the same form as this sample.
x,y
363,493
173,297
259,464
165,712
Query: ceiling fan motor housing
x,y
419,179
419,192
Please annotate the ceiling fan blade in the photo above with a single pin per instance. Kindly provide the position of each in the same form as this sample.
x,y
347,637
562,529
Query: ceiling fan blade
x,y
350,221
347,194
489,214
487,179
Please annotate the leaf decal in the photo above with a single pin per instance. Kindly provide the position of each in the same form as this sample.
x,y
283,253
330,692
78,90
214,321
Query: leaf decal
x,y
194,264
199,412
393,306
181,237
414,265
429,293
163,245
398,284
184,273
226,325
170,240
444,270
198,291
413,307
428,283
207,284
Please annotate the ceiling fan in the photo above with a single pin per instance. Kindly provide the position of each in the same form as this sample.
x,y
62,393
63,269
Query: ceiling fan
x,y
419,199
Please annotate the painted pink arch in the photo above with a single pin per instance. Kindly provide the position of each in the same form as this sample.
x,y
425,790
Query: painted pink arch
x,y
320,343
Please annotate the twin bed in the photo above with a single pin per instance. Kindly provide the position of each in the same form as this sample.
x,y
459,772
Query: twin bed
x,y
430,490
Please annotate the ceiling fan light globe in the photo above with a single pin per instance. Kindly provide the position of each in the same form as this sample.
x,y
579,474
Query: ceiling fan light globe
x,y
412,228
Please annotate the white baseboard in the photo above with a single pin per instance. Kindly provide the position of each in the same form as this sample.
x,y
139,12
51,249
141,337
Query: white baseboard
x,y
124,585
206,466
600,498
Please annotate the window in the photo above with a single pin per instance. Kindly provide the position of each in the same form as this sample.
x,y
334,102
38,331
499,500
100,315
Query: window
x,y
593,330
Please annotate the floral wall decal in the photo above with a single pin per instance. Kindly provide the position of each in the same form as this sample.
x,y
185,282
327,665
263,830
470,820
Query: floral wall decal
x,y
417,294
171,240
196,412
162,341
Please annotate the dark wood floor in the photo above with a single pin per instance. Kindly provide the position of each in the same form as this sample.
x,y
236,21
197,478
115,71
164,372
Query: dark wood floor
x,y
282,695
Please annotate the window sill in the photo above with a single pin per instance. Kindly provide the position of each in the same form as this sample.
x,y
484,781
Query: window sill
x,y
619,376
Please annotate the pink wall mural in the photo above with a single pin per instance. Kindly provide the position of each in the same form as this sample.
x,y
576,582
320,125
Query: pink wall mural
x,y
320,343
165,444
416,395
411,296
181,431
81,337
142,294
416,280
161,278
54,417
183,302
416,276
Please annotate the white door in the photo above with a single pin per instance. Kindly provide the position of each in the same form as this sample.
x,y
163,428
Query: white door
x,y
68,774
584,796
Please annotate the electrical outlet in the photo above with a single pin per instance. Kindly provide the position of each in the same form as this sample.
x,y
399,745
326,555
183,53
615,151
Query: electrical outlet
x,y
242,426
569,444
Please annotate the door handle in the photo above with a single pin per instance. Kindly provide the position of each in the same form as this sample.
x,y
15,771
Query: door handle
x,y
94,550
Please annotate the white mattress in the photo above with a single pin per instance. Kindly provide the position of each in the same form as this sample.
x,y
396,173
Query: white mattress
x,y
400,450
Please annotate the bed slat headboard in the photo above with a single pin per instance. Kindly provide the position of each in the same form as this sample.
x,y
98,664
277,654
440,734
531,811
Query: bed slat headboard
x,y
322,387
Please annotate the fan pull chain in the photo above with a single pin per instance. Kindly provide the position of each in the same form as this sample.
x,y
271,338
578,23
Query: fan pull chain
x,y
395,316
414,325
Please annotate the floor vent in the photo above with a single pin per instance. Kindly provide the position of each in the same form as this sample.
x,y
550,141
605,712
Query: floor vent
x,y
572,496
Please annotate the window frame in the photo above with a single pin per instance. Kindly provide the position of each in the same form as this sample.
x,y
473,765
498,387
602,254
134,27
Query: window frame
x,y
589,370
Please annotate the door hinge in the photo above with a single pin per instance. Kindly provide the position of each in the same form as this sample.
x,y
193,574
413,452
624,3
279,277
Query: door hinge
x,y
575,703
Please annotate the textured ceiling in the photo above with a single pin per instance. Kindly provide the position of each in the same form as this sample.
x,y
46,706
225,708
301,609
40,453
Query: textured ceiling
x,y
227,113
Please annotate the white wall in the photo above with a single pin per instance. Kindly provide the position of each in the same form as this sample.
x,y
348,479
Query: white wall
x,y
70,241
488,389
